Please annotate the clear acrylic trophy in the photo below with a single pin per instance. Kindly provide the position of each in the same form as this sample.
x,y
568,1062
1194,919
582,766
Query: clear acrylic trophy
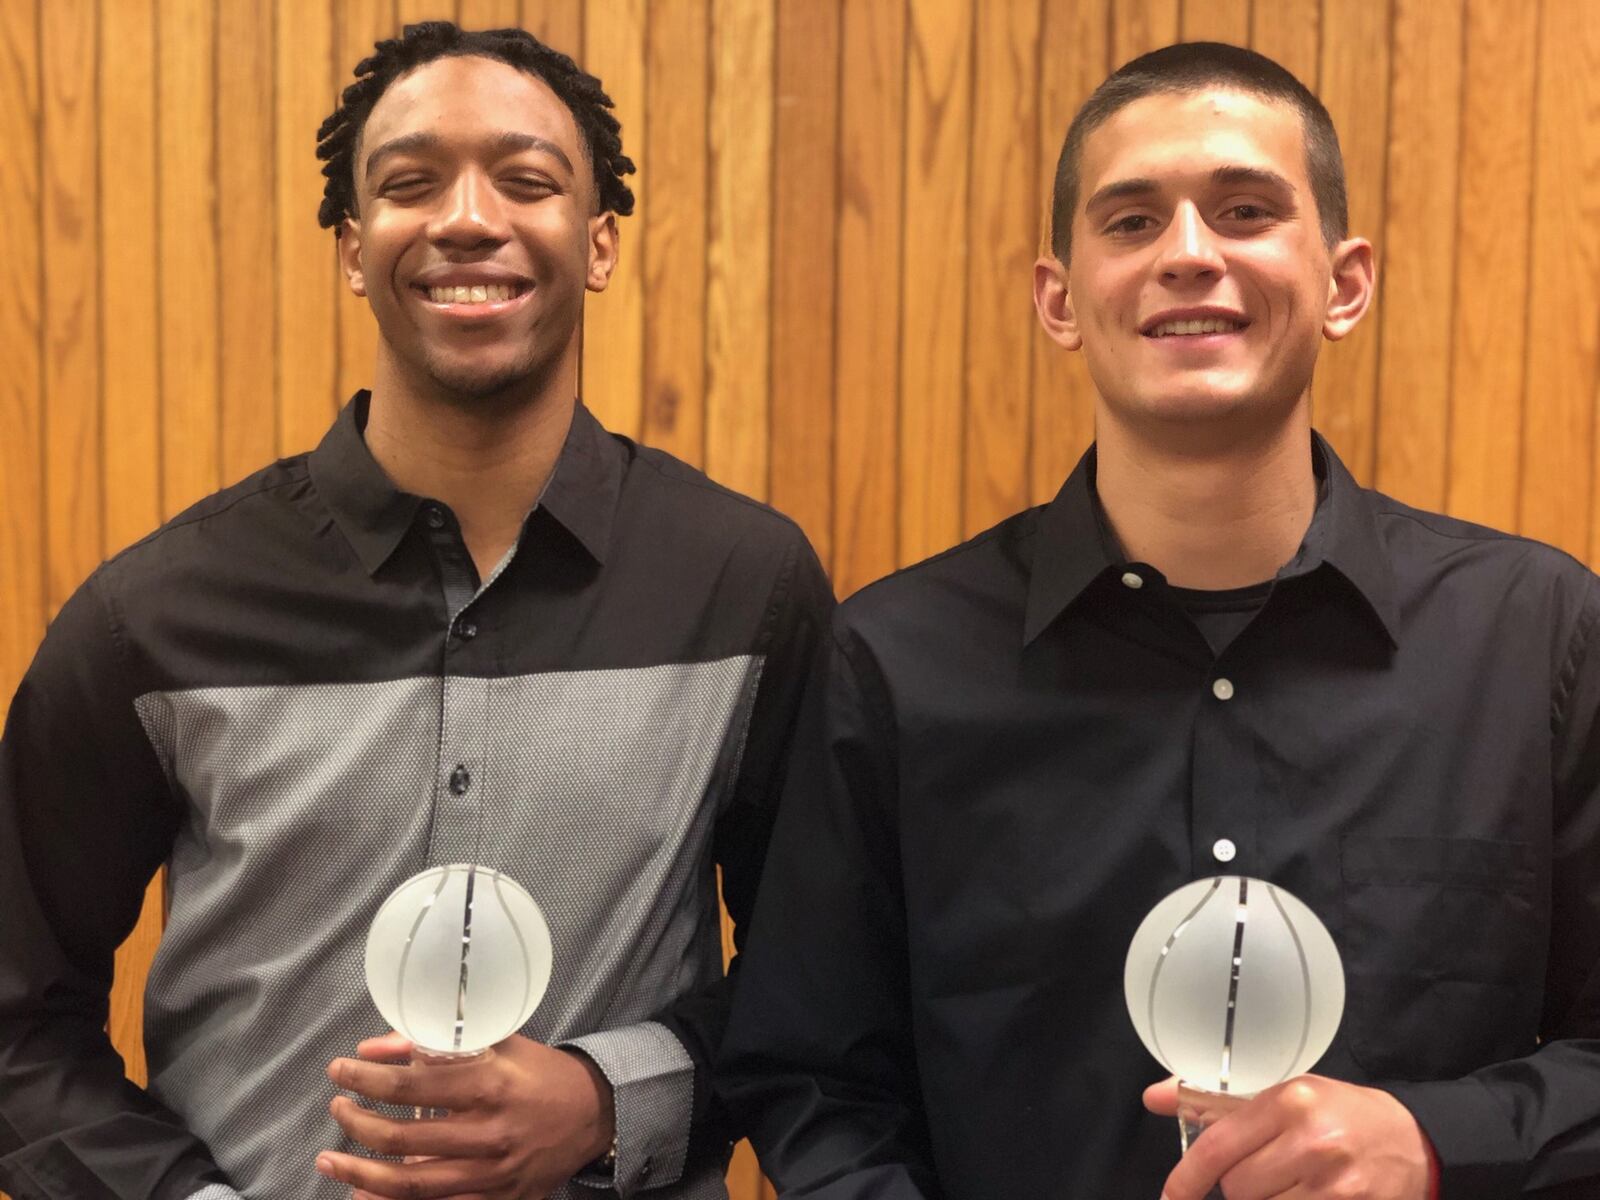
x,y
458,958
1234,985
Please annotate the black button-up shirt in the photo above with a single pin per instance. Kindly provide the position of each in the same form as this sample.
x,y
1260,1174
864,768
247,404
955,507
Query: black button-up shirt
x,y
1021,745
298,694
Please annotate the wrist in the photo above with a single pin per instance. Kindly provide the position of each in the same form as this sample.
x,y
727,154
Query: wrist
x,y
602,1140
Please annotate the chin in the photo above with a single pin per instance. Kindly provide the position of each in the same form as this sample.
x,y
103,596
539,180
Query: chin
x,y
477,380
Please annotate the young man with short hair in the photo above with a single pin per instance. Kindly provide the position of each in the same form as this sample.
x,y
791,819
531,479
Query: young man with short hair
x,y
470,626
1212,653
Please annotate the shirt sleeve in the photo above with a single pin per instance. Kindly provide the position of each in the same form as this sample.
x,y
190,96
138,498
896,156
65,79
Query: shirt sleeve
x,y
1531,1126
670,1120
819,1061
85,819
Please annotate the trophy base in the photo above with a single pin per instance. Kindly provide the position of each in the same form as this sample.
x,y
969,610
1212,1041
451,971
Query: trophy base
x,y
1198,1109
422,1059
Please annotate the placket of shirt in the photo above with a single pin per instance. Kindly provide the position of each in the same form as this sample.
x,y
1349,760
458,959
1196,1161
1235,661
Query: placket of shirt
x,y
1225,774
462,768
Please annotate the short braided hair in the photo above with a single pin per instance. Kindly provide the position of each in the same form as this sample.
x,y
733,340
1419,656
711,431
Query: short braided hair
x,y
428,41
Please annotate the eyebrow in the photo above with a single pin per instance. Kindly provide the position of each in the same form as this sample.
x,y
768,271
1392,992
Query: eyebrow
x,y
506,142
1122,189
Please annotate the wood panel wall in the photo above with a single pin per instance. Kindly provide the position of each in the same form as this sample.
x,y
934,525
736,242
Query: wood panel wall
x,y
824,295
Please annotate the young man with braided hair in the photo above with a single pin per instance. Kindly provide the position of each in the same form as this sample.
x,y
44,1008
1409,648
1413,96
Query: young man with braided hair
x,y
470,626
1212,653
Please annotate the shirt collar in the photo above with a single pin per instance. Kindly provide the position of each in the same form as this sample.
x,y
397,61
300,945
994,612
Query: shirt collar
x,y
1074,550
374,515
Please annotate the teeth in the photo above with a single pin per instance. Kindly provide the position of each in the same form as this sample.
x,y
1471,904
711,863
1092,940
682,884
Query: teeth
x,y
1203,325
475,294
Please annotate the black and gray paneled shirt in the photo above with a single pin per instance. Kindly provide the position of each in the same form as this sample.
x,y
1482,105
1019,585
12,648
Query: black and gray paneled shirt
x,y
299,694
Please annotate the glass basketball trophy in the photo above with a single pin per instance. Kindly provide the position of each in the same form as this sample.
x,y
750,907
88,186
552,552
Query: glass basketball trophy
x,y
458,958
1234,985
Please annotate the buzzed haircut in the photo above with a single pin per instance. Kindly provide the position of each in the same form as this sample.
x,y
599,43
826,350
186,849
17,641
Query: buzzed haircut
x,y
1194,67
340,135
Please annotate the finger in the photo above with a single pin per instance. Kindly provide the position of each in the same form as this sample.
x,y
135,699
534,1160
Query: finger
x,y
445,1137
388,1047
455,1086
1162,1098
1221,1148
435,1179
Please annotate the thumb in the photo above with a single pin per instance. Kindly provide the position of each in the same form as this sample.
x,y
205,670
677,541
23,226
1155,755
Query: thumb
x,y
391,1047
1162,1098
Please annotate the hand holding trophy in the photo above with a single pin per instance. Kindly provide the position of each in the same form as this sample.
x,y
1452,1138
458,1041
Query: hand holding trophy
x,y
1234,985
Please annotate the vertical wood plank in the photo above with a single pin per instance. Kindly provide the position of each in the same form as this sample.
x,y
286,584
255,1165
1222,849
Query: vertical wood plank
x,y
867,367
359,24
1490,334
129,269
1140,26
1074,57
190,289
613,328
410,12
130,968
674,242
1216,21
934,274
739,246
805,236
1557,490
556,23
489,14
247,249
1289,33
22,546
308,277
1354,86
1419,231
1002,224
73,489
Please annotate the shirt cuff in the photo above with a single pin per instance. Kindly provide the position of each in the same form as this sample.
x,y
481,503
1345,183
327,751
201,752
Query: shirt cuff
x,y
1472,1138
215,1191
652,1083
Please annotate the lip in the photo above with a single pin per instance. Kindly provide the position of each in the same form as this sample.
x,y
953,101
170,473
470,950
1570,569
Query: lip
x,y
469,275
1199,313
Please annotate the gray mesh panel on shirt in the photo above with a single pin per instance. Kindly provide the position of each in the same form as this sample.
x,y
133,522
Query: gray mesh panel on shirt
x,y
307,805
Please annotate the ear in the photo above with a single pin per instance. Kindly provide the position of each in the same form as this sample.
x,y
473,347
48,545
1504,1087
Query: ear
x,y
1350,288
1052,300
602,251
350,256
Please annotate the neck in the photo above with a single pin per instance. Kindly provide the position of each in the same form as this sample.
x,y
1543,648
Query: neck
x,y
488,458
1217,516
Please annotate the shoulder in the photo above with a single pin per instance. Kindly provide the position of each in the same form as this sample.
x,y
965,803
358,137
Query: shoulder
x,y
1421,541
701,518
936,597
230,525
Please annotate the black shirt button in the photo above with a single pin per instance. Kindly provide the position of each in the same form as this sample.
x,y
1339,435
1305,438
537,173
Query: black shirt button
x,y
435,517
460,780
466,630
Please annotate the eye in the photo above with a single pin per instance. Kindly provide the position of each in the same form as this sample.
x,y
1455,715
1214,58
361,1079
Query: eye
x,y
404,187
1133,223
1248,213
531,186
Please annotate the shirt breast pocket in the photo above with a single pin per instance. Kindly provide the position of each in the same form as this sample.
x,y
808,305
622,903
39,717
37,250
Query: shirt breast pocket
x,y
1442,953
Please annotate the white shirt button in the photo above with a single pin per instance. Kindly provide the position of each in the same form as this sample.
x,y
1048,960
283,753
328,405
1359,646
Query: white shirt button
x,y
1223,850
1222,689
1132,579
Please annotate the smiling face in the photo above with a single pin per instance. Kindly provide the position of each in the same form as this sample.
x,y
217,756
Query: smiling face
x,y
477,233
1200,286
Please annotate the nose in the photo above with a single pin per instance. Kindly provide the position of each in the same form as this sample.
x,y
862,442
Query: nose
x,y
470,214
1189,247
